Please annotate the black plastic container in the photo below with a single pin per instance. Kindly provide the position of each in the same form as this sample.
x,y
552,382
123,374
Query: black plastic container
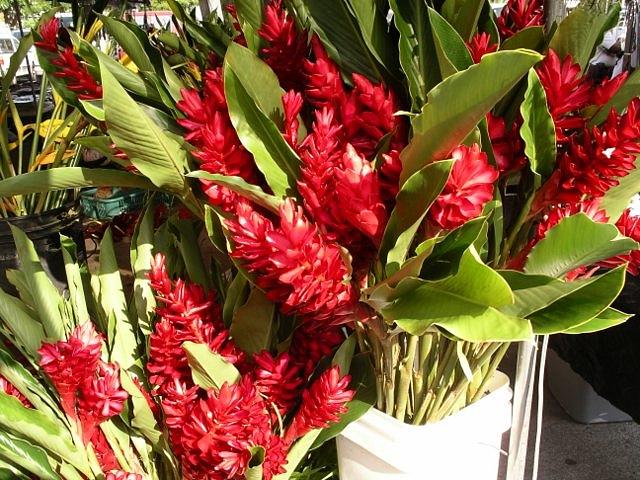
x,y
44,231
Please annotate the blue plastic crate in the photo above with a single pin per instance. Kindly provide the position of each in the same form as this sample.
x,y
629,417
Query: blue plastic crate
x,y
121,201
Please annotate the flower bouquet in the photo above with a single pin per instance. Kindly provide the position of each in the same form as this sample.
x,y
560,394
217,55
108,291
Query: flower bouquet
x,y
438,181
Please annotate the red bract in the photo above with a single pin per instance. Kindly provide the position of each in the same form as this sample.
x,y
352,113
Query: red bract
x,y
567,92
295,265
177,404
508,147
519,14
292,103
76,76
312,342
104,453
607,89
71,363
277,380
218,147
324,87
469,188
479,45
8,388
287,49
120,475
48,31
629,226
322,404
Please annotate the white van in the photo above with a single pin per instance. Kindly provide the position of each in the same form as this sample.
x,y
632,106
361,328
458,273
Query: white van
x,y
8,46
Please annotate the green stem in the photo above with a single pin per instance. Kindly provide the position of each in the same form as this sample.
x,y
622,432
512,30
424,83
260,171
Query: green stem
x,y
493,366
404,383
523,217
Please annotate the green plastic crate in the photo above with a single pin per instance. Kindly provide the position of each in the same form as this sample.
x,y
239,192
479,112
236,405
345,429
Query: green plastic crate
x,y
121,201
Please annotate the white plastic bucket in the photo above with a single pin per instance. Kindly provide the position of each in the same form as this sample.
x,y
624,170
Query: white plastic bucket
x,y
463,446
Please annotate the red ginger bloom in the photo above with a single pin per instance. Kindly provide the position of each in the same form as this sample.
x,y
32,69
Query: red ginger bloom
x,y
292,103
77,76
48,31
607,89
287,49
567,92
469,188
629,226
120,475
479,45
508,147
278,380
72,363
519,14
7,387
324,86
322,404
104,453
312,342
177,404
221,431
293,262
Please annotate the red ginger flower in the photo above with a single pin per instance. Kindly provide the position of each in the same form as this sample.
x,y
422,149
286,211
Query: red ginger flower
x,y
104,453
629,226
7,387
567,92
120,475
324,87
71,363
287,48
519,14
322,404
312,342
48,31
293,262
278,380
178,402
508,147
469,188
479,45
292,103
607,89
77,76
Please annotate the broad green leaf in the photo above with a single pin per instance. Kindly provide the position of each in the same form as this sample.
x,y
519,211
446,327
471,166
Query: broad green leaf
x,y
10,471
236,295
343,356
141,249
15,61
158,156
530,37
259,135
253,324
209,370
216,43
416,48
487,22
74,279
452,53
20,320
575,242
296,454
338,29
214,229
135,42
538,130
463,15
142,418
241,187
581,306
581,31
40,430
453,109
629,90
27,456
45,294
606,319
123,344
190,250
250,19
617,198
63,178
412,203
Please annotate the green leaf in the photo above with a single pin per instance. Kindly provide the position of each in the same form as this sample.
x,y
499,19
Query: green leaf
x,y
209,369
216,43
296,454
63,178
463,15
617,199
241,187
236,295
606,319
338,29
412,203
158,156
38,429
253,324
46,296
143,419
453,109
629,90
451,50
581,306
254,472
538,130
530,37
250,19
416,48
15,61
581,31
273,156
123,344
575,242
141,249
74,279
190,250
343,356
27,456
214,229
20,320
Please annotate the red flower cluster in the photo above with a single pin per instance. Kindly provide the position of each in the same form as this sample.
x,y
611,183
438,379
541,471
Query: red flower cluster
x,y
519,14
629,226
508,147
7,387
469,188
215,433
120,475
479,45
75,73
294,264
209,129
